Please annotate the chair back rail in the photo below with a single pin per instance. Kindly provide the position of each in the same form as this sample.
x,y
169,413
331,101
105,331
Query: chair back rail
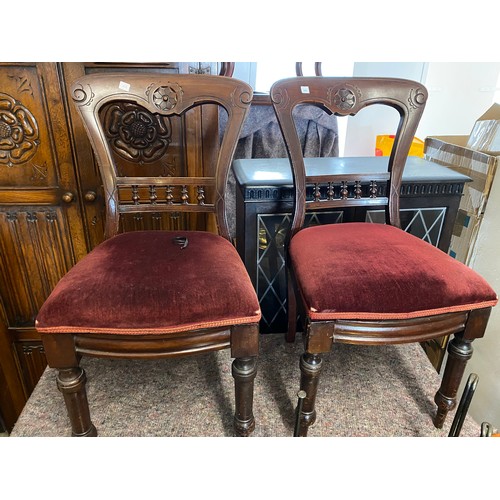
x,y
342,97
165,95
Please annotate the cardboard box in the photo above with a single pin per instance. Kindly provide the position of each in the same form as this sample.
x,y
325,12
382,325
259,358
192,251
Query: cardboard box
x,y
476,155
485,135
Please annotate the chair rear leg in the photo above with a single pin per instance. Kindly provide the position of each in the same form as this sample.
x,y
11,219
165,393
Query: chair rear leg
x,y
71,382
459,352
291,308
310,368
244,371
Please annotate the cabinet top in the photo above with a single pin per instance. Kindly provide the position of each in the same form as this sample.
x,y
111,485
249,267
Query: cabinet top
x,y
277,171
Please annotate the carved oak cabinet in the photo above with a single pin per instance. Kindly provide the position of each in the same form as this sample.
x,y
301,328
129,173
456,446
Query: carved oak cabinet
x,y
51,209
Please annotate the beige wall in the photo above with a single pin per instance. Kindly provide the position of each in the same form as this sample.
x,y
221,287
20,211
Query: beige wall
x,y
459,93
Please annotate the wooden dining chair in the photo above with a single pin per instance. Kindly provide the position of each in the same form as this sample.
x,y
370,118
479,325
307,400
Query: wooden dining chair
x,y
367,283
164,292
317,69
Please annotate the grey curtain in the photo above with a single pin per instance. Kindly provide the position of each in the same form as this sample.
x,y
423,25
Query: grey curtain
x,y
261,138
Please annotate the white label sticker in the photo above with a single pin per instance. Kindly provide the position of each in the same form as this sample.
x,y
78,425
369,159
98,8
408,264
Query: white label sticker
x,y
304,89
124,86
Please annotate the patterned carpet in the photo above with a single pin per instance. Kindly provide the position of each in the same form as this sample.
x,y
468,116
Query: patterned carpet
x,y
364,391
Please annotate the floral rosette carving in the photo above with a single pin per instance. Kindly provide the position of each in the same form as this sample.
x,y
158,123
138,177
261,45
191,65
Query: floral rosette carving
x,y
136,134
18,132
344,99
166,97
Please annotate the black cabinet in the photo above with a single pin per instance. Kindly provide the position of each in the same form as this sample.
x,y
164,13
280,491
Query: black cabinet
x,y
430,196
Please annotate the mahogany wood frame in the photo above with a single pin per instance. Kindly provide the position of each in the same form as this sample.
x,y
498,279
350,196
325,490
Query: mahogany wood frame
x,y
347,96
182,92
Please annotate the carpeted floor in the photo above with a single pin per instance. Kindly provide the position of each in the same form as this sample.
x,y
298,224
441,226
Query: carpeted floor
x,y
364,391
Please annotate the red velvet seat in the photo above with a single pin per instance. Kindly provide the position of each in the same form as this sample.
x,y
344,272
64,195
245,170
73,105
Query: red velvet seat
x,y
144,282
368,283
380,272
177,286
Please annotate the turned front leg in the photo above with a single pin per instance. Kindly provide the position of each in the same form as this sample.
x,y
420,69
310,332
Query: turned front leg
x,y
71,382
244,371
459,352
310,368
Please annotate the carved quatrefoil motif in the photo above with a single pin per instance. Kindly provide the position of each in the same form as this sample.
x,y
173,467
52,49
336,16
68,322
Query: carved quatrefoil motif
x,y
166,98
136,134
344,99
18,132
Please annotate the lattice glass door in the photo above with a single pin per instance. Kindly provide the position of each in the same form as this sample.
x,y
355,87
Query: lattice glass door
x,y
425,223
271,276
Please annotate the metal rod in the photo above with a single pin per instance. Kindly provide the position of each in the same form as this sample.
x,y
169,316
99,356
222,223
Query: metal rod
x,y
486,429
301,395
463,406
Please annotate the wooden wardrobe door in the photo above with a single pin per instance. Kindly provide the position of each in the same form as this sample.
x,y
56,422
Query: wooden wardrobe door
x,y
41,230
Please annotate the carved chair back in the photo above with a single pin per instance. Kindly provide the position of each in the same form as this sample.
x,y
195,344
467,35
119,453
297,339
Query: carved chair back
x,y
348,96
128,117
